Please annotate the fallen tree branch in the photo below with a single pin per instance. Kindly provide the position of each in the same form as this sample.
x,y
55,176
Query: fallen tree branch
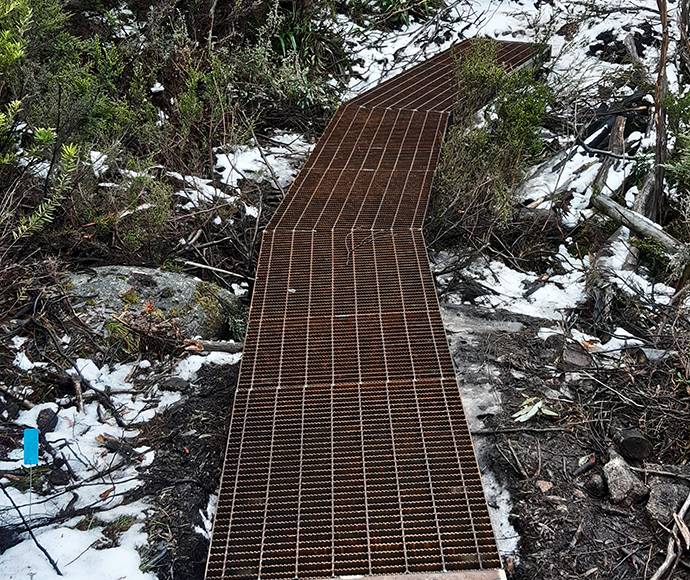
x,y
229,346
103,398
521,430
25,402
213,269
635,221
608,154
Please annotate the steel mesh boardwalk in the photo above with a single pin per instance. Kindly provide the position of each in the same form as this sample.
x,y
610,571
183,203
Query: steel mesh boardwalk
x,y
348,450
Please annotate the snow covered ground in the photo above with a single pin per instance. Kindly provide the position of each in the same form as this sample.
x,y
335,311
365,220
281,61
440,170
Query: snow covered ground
x,y
77,435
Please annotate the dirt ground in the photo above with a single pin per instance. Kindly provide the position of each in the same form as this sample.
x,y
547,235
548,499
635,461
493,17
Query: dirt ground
x,y
564,525
190,439
567,525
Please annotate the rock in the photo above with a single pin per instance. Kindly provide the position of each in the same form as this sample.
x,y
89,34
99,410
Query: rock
x,y
201,309
625,488
595,485
575,356
665,499
47,421
543,486
175,384
667,494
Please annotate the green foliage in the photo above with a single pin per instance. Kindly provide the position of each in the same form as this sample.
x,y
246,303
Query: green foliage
x,y
15,18
530,408
121,338
481,165
45,212
288,60
237,324
653,255
388,14
85,76
313,42
679,166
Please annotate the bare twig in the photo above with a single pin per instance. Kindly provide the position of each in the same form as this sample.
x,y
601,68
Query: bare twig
x,y
25,402
660,473
521,430
517,460
102,397
213,269
270,167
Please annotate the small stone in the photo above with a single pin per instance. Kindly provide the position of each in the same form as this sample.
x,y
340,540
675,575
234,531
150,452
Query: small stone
x,y
47,421
175,384
625,488
665,499
543,486
575,356
595,485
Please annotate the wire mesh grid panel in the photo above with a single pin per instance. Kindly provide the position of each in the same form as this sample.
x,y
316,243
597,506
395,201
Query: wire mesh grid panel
x,y
348,451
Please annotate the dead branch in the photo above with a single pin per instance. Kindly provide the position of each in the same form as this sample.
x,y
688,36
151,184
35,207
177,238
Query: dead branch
x,y
229,346
635,221
25,402
122,448
599,282
517,459
213,269
522,430
270,167
660,117
80,398
103,398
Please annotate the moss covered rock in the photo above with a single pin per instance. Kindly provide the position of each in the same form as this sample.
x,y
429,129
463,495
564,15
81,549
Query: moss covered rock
x,y
201,309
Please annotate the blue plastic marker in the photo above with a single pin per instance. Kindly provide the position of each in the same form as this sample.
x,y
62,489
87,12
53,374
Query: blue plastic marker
x,y
30,447
30,458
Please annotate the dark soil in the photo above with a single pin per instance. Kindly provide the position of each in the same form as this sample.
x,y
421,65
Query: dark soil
x,y
567,524
189,439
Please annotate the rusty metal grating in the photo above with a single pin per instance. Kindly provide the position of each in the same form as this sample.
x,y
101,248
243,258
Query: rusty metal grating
x,y
348,451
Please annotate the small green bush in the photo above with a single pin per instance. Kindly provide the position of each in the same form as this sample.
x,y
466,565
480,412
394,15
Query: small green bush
x,y
480,166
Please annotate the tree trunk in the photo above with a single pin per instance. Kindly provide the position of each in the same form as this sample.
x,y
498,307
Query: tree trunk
x,y
660,119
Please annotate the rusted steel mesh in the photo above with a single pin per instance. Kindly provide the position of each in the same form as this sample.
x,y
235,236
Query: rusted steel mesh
x,y
348,450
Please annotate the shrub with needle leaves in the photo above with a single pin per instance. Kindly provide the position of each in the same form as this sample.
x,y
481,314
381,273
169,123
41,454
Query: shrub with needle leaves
x,y
483,159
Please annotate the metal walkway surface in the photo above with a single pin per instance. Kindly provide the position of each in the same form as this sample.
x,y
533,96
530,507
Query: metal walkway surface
x,y
348,452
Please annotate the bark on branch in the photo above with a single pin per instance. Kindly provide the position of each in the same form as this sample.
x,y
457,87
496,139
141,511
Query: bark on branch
x,y
636,222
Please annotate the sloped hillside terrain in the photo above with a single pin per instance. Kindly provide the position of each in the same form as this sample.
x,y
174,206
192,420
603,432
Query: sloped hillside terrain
x,y
161,136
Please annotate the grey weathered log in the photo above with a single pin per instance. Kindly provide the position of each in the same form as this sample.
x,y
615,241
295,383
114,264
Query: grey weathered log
x,y
599,282
617,147
636,222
